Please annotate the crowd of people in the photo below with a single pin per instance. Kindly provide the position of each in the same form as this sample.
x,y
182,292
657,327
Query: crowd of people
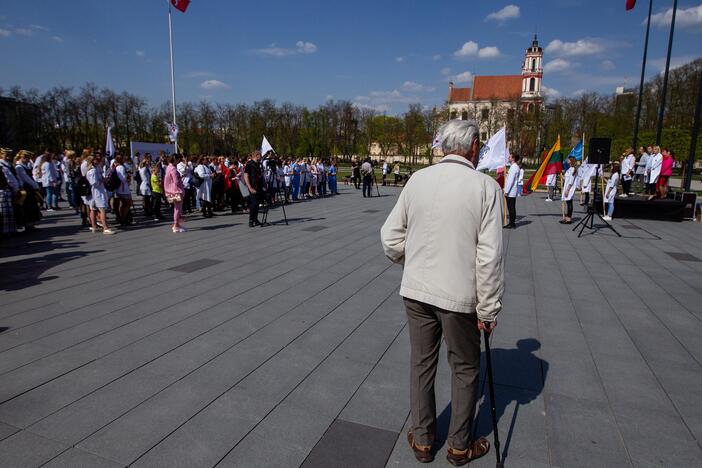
x,y
650,173
94,185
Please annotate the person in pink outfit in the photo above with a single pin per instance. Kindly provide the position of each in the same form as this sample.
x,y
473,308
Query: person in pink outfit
x,y
175,190
666,172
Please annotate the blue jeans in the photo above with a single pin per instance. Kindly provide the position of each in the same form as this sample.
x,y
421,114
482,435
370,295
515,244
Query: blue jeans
x,y
52,196
332,184
71,193
610,209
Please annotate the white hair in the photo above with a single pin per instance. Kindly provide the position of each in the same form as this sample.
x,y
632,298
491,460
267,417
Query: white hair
x,y
457,136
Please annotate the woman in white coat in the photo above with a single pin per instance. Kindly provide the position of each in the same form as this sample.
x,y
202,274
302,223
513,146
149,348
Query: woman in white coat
x,y
97,198
655,171
611,192
204,191
570,183
145,185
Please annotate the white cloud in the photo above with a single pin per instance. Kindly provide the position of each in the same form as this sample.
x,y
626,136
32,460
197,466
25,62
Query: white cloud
x,y
329,97
684,18
468,49
4,33
489,52
508,12
571,49
57,38
140,53
399,59
464,77
675,62
550,92
557,65
214,85
306,47
301,47
416,87
436,57
380,108
39,27
198,74
607,65
446,71
579,92
24,32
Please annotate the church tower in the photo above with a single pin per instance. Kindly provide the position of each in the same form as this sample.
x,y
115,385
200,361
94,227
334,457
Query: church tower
x,y
532,73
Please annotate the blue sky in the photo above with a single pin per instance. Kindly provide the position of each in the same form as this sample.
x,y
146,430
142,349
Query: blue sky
x,y
383,54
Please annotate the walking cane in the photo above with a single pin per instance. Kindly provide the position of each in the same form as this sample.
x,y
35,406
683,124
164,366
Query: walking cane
x,y
491,388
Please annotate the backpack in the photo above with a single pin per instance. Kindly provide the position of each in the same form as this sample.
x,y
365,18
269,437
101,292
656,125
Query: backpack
x,y
82,186
113,182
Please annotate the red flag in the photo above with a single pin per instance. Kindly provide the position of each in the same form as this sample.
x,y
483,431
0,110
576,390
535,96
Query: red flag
x,y
181,5
630,4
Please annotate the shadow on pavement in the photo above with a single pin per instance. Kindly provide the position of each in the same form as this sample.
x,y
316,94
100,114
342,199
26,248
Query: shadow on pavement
x,y
26,272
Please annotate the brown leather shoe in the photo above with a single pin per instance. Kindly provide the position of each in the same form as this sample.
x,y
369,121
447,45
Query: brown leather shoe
x,y
477,449
421,452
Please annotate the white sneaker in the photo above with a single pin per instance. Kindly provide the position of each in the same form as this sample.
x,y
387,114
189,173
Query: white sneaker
x,y
548,199
623,195
607,218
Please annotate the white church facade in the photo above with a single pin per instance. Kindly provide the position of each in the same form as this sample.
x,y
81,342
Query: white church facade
x,y
492,100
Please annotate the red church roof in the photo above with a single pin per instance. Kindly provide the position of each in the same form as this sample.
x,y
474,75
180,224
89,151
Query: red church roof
x,y
459,95
502,88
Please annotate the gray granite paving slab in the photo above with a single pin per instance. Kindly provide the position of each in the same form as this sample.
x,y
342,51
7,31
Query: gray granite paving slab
x,y
350,445
25,449
75,458
195,265
7,430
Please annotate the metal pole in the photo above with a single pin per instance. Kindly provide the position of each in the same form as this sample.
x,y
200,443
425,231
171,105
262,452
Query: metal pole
x,y
695,132
661,113
170,45
641,83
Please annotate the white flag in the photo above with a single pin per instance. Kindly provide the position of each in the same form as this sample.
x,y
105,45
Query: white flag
x,y
494,154
172,131
109,144
265,146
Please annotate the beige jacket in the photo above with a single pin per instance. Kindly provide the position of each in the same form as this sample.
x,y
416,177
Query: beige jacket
x,y
446,229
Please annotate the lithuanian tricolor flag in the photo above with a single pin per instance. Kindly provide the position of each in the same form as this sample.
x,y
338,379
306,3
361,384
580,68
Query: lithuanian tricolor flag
x,y
552,164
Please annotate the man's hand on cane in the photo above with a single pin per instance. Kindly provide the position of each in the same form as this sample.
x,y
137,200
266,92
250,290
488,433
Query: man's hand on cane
x,y
487,326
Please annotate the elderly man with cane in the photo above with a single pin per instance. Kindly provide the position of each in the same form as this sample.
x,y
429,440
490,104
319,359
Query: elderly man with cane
x,y
446,229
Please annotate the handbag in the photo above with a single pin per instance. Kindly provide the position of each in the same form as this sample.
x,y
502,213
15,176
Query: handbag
x,y
173,197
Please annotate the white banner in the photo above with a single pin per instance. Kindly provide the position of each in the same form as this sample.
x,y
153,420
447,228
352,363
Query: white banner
x,y
109,144
265,146
154,148
494,154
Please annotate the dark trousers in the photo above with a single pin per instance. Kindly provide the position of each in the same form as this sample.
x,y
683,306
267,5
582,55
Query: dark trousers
x,y
587,198
512,210
569,208
357,181
367,184
253,208
626,186
651,189
426,325
156,205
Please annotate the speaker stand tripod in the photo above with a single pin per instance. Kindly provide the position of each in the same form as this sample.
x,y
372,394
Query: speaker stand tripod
x,y
589,219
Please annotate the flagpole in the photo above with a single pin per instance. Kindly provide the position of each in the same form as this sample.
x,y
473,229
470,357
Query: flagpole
x,y
661,113
170,46
643,73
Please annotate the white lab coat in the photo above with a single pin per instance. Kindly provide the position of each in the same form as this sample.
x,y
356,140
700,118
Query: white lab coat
x,y
570,183
611,189
145,185
204,191
657,161
512,180
628,165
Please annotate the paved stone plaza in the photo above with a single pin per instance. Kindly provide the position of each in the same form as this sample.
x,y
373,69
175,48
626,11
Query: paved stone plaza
x,y
287,346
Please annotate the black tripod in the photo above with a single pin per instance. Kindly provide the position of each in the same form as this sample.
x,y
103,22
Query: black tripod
x,y
375,181
588,220
273,193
